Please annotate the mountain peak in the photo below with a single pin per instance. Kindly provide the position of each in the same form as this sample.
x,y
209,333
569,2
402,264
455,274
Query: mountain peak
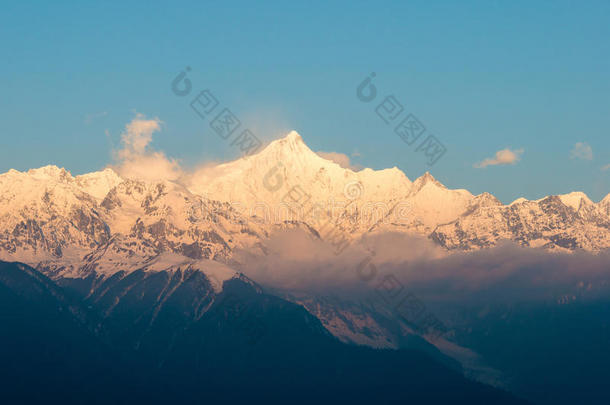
x,y
98,184
50,172
104,173
487,199
519,201
287,148
427,175
293,136
575,199
424,180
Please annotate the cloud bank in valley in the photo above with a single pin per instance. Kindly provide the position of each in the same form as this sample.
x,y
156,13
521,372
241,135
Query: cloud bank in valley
x,y
506,273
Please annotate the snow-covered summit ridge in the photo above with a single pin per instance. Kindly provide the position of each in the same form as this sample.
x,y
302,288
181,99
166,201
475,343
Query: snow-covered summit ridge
x,y
96,184
47,211
266,177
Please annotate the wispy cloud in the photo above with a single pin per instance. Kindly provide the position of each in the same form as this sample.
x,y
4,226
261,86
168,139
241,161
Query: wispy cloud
x,y
136,159
89,118
341,159
502,157
607,167
581,150
138,134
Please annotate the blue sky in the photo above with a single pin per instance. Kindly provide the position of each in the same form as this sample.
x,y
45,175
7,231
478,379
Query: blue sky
x,y
481,76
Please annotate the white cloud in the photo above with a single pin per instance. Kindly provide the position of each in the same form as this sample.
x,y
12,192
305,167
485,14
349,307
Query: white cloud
x,y
136,159
607,167
138,134
293,260
341,159
502,157
581,150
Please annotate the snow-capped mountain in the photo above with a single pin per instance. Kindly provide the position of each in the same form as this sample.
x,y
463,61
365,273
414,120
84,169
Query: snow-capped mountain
x,y
121,240
100,222
430,203
44,214
286,163
287,180
565,222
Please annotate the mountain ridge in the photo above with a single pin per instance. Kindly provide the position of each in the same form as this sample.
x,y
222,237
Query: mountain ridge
x,y
103,229
52,214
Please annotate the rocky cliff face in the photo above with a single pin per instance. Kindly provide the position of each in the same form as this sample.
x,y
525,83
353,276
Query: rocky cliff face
x,y
552,223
